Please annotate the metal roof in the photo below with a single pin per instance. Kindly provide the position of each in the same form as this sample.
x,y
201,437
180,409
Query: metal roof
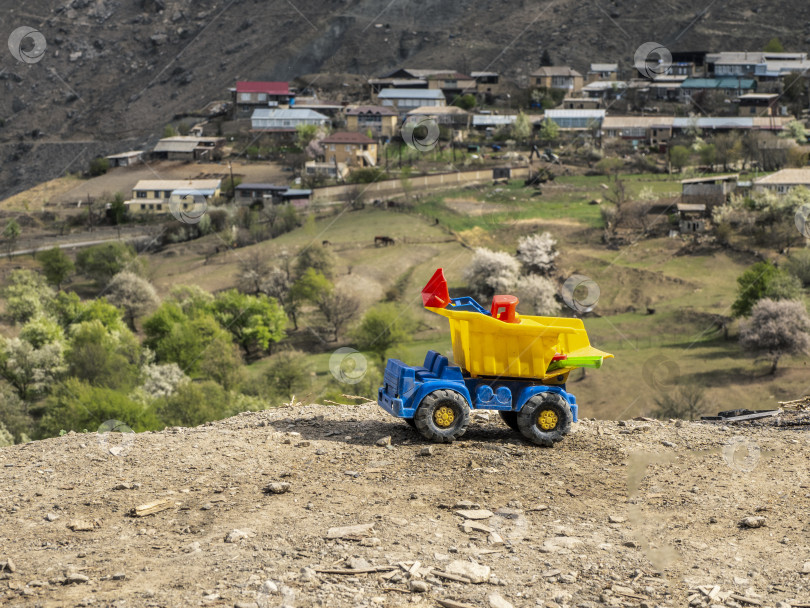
x,y
480,120
129,154
194,192
575,113
411,94
786,177
371,110
260,186
719,83
175,184
716,178
604,67
291,192
713,122
176,146
270,88
291,114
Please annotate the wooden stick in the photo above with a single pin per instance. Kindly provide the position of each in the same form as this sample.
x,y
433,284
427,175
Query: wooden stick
x,y
152,507
453,604
355,570
451,577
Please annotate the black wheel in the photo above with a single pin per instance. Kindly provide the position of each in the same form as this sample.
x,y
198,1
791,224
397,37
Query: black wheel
x,y
410,422
442,416
545,419
510,418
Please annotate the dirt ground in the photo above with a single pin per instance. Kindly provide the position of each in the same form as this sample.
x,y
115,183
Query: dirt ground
x,y
637,513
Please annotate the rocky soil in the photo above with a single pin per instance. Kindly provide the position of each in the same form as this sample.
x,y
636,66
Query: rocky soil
x,y
345,506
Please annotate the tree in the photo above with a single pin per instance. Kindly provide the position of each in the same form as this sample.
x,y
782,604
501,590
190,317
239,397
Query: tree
x,y
118,209
169,131
14,415
56,266
678,157
688,402
99,166
79,406
521,128
549,131
610,166
193,404
222,363
537,253
545,59
796,131
382,327
775,330
315,256
42,330
70,310
774,46
253,268
103,358
254,321
102,262
799,265
310,286
288,373
134,295
304,134
491,272
728,149
763,280
29,370
465,102
27,295
11,233
708,155
337,307
539,294
161,380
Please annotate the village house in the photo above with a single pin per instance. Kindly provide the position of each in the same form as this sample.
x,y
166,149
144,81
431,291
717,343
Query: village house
x,y
649,130
452,84
763,66
351,149
724,124
758,104
603,71
450,116
728,86
155,196
708,191
324,106
125,159
298,198
557,77
249,95
251,193
604,89
581,103
785,180
405,100
187,147
692,217
492,122
325,169
487,83
285,121
576,119
380,120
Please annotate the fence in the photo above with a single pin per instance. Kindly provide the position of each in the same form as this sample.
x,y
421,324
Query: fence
x,y
390,187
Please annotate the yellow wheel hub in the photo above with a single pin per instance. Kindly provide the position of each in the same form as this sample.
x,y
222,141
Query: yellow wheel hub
x,y
444,416
547,420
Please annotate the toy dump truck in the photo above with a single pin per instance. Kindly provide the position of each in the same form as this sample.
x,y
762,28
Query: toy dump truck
x,y
515,364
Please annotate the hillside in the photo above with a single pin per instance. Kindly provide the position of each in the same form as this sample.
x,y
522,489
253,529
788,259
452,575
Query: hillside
x,y
114,73
637,513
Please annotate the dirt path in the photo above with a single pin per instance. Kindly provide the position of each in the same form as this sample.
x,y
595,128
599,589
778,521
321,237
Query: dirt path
x,y
645,514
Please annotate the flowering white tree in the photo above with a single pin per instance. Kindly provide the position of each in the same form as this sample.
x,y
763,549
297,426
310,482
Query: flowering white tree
x,y
133,294
492,272
29,370
539,294
537,252
776,329
162,380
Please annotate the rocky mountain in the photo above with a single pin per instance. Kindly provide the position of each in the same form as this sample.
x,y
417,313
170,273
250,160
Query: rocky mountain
x,y
115,71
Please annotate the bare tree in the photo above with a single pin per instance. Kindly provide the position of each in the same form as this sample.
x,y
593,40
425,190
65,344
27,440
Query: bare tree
x,y
687,402
253,270
537,252
776,329
135,295
338,308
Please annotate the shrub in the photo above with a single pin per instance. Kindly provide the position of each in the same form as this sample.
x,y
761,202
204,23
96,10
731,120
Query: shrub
x,y
491,272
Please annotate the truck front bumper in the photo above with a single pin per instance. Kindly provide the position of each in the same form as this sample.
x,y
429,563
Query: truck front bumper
x,y
390,404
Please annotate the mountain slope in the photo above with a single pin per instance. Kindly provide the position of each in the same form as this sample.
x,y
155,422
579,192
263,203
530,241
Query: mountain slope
x,y
115,72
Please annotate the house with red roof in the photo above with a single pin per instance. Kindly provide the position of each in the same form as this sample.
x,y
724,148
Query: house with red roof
x,y
249,95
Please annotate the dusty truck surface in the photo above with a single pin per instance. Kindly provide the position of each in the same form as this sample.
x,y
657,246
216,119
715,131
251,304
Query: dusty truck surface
x,y
514,364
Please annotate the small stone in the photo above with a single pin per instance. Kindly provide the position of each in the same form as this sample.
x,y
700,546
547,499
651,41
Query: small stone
x,y
466,504
418,586
752,522
307,575
477,573
370,542
192,547
75,579
302,444
508,513
8,565
496,600
78,525
426,451
668,444
357,563
617,519
234,536
119,576
806,568
630,543
269,587
475,513
207,507
245,605
384,441
281,487
51,517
